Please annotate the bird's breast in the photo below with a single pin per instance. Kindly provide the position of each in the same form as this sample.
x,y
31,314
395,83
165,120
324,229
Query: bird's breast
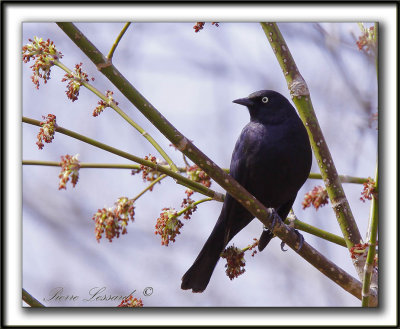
x,y
271,157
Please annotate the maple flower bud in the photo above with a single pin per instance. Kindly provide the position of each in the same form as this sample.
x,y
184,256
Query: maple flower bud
x,y
369,190
131,302
47,130
45,54
69,168
168,225
317,197
234,261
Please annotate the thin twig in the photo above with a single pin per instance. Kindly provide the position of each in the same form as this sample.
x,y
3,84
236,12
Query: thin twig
x,y
150,186
116,42
302,226
343,178
192,205
117,109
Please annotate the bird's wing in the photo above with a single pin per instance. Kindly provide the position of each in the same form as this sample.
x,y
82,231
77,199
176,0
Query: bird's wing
x,y
241,169
245,153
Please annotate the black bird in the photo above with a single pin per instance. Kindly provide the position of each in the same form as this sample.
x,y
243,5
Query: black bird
x,y
272,160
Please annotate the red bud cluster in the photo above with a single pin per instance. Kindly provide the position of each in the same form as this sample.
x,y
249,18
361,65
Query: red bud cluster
x,y
317,197
234,261
168,225
69,168
369,190
47,130
131,302
113,222
45,54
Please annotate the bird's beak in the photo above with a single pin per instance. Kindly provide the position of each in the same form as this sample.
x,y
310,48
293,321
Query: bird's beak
x,y
243,101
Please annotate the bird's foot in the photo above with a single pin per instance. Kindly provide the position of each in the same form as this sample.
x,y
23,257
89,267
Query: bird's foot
x,y
275,219
301,238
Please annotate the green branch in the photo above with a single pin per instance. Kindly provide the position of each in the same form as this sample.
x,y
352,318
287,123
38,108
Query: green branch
x,y
300,225
301,98
343,178
192,205
373,233
83,164
150,186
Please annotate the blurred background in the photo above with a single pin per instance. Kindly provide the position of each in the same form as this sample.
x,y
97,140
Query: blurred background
x,y
191,78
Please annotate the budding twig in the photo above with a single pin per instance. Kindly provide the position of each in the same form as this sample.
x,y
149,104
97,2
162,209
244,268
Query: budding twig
x,y
343,178
150,186
117,109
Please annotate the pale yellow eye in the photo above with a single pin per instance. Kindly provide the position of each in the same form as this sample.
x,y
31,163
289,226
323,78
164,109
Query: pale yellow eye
x,y
265,100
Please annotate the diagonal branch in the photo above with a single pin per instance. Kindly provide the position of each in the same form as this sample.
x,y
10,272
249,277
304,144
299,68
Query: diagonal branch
x,y
30,300
255,207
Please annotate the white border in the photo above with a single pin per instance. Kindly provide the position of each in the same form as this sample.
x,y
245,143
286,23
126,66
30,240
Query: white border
x,y
15,14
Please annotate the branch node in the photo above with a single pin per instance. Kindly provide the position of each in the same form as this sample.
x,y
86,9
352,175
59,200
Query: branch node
x,y
182,144
338,202
298,86
104,65
219,196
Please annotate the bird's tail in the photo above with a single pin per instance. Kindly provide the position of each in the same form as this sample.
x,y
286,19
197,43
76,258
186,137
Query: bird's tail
x,y
199,274
265,238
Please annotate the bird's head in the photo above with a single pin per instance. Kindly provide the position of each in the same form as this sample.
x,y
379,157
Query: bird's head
x,y
267,106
